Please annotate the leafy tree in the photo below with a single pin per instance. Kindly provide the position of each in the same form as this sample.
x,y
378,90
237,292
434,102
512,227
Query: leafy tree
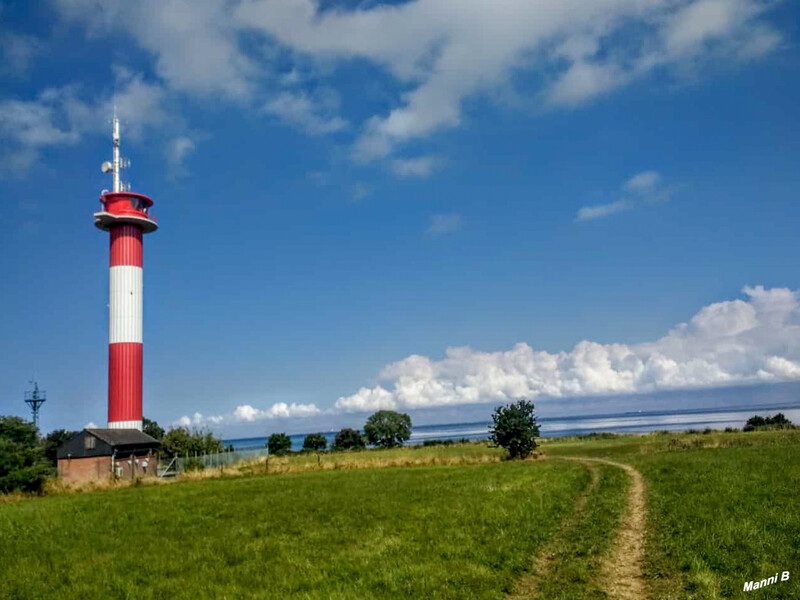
x,y
152,428
348,439
179,441
22,463
279,444
315,442
52,441
387,428
515,429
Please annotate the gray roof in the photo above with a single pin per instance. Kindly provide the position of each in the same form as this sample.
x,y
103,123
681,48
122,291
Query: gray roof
x,y
123,437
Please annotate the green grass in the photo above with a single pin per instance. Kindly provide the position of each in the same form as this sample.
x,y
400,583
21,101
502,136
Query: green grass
x,y
577,553
723,509
425,532
437,522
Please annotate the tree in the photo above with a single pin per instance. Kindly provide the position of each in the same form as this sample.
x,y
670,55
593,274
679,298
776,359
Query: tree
x,y
387,428
179,441
279,444
515,429
315,442
348,439
22,463
152,428
52,441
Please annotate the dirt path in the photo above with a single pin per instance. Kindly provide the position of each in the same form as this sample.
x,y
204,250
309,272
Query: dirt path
x,y
620,575
526,587
622,570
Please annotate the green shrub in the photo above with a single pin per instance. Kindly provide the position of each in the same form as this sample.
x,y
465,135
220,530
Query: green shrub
x,y
315,442
515,429
779,421
193,464
348,439
279,444
22,462
388,429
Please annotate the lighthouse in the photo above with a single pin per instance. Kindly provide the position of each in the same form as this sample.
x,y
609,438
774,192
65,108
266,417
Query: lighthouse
x,y
126,217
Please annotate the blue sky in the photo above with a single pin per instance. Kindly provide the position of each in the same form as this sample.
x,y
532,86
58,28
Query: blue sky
x,y
347,190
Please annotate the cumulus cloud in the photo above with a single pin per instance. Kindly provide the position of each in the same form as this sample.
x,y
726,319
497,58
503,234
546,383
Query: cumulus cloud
x,y
442,224
438,52
245,413
90,425
733,342
647,186
194,42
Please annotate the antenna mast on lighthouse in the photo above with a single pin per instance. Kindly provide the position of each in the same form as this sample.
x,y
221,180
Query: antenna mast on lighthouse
x,y
126,216
117,163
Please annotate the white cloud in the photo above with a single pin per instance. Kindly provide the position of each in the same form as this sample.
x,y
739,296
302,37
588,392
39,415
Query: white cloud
x,y
442,224
90,425
598,211
646,186
367,400
439,52
643,182
177,150
301,111
63,116
731,342
194,42
245,413
421,166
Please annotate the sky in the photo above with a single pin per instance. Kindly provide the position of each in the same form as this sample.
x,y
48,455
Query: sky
x,y
431,206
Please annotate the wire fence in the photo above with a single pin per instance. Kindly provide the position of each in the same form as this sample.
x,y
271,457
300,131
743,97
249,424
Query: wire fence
x,y
169,467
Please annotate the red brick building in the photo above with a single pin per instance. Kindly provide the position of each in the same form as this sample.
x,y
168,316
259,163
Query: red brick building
x,y
108,453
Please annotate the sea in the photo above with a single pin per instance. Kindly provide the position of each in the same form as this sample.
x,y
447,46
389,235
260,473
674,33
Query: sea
x,y
628,422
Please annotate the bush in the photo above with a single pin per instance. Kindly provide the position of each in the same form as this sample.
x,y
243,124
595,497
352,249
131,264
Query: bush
x,y
348,439
448,442
179,441
193,464
779,421
22,462
515,429
387,428
315,442
279,444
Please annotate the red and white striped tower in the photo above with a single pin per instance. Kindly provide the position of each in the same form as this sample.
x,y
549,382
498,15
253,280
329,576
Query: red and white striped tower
x,y
126,216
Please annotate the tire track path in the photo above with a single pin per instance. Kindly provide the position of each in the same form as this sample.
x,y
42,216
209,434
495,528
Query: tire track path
x,y
527,586
622,570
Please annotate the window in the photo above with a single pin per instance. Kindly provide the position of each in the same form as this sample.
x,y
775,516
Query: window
x,y
88,442
136,203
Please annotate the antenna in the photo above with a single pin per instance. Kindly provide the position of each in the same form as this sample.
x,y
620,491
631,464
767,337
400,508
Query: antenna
x,y
35,399
116,164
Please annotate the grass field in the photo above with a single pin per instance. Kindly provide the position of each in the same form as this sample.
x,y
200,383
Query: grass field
x,y
455,522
